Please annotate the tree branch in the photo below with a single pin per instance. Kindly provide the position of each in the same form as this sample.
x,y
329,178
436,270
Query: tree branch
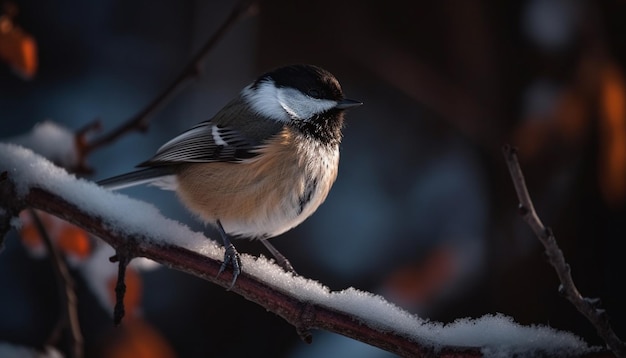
x,y
301,314
139,122
136,229
65,282
586,306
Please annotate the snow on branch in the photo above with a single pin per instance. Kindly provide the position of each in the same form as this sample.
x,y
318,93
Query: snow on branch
x,y
137,229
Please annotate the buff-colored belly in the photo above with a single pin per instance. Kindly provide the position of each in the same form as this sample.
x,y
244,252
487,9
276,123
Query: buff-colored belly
x,y
260,197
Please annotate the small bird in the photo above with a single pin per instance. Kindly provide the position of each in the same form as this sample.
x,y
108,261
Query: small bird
x,y
262,165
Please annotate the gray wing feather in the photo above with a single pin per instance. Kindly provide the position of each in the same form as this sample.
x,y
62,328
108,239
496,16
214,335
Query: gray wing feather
x,y
220,139
138,177
205,142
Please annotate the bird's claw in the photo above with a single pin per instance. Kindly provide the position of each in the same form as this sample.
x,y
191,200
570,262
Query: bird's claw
x,y
231,257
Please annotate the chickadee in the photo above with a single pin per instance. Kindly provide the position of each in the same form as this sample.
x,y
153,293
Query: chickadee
x,y
262,164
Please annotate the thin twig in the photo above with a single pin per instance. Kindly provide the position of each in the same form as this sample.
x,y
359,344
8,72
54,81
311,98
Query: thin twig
x,y
140,121
69,302
83,147
586,306
123,259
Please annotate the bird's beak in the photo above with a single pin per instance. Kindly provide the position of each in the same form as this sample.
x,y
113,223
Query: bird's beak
x,y
348,103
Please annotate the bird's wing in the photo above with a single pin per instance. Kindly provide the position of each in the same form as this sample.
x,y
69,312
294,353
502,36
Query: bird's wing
x,y
206,142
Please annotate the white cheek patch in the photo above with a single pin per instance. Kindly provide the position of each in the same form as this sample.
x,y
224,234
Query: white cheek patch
x,y
264,101
284,104
301,106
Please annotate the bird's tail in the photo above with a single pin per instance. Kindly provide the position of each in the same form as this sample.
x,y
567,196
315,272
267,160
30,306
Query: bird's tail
x,y
144,176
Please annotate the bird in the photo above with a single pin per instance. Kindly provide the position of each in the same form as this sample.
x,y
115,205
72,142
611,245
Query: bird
x,y
261,165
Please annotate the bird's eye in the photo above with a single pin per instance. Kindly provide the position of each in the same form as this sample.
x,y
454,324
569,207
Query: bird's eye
x,y
315,93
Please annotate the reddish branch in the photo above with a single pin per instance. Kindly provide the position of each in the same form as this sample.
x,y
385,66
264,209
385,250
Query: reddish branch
x,y
305,316
588,307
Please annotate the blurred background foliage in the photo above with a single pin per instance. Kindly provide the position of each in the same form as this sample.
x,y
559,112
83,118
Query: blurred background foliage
x,y
423,211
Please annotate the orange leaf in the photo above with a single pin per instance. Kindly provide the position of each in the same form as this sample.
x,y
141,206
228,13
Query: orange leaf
x,y
17,48
136,339
73,240
70,239
612,160
30,234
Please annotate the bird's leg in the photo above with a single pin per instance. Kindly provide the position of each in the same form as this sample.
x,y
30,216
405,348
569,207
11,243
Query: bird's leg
x,y
231,256
281,260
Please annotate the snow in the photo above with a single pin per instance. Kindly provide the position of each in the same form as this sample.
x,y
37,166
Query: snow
x,y
126,216
497,335
500,336
53,141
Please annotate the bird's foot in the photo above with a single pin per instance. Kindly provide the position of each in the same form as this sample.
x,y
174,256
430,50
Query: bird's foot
x,y
231,258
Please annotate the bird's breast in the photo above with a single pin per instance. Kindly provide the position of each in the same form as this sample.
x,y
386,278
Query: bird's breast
x,y
266,195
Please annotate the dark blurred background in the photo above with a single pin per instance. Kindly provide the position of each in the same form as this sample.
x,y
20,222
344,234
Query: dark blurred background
x,y
423,211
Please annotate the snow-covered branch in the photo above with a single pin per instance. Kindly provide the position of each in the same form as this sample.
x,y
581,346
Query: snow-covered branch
x,y
137,229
